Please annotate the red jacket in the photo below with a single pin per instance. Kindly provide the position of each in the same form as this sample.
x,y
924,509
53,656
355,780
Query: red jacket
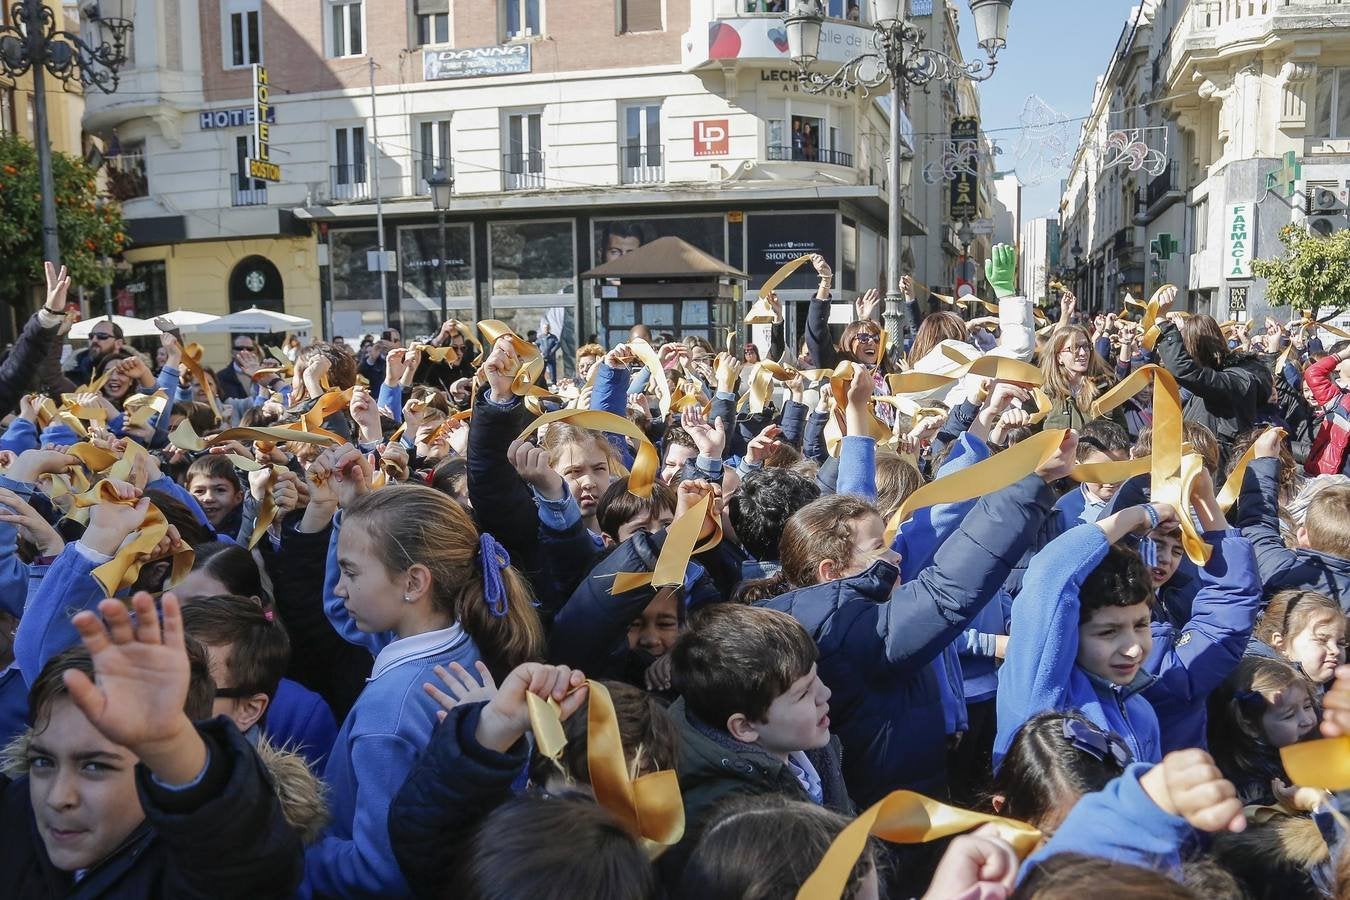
x,y
1328,450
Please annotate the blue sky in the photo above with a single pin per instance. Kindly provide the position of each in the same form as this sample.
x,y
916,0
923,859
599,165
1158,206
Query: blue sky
x,y
1052,53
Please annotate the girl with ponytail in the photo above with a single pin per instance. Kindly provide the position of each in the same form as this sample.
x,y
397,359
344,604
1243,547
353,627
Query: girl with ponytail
x,y
409,578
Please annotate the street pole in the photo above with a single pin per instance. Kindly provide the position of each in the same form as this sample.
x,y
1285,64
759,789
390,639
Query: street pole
x,y
444,267
51,245
379,203
897,314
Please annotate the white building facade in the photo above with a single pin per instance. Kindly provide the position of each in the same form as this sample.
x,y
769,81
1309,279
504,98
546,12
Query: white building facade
x,y
573,131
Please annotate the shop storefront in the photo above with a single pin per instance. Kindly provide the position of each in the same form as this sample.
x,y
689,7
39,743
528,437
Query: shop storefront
x,y
525,270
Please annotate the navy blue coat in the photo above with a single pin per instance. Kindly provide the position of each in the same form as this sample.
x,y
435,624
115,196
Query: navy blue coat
x,y
1282,568
590,631
453,787
878,639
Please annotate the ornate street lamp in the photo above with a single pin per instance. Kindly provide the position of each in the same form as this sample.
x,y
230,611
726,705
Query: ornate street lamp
x,y
35,43
442,188
898,57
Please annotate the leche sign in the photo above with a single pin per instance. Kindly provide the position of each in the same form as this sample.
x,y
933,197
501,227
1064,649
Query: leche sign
x,y
260,164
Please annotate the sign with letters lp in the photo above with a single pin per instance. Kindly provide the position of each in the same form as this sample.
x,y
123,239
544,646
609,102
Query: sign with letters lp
x,y
474,62
712,137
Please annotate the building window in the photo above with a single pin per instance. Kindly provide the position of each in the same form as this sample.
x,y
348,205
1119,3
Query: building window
x,y
433,21
346,28
243,33
523,165
639,15
349,180
245,191
1200,226
522,18
127,176
642,160
1331,107
433,152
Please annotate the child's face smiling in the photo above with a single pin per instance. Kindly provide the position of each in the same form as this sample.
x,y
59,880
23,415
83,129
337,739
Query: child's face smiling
x,y
1114,642
1289,716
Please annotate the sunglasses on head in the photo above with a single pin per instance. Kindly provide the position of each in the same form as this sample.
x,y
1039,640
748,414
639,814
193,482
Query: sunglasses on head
x,y
1096,743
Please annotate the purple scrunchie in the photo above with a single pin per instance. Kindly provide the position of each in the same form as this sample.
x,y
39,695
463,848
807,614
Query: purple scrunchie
x,y
492,557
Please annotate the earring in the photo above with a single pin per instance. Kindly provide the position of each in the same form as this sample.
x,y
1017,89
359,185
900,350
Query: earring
x,y
407,599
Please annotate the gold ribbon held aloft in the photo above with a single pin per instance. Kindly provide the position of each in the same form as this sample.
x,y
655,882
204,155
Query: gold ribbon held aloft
x,y
904,817
649,807
642,476
682,536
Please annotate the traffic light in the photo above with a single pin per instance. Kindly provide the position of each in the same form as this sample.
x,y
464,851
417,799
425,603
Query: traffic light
x,y
1327,210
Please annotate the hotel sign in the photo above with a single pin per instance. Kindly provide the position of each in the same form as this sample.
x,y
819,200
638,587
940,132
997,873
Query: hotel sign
x,y
260,164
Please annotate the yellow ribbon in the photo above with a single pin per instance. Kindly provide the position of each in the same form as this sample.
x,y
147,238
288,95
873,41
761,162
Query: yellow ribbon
x,y
761,312
658,381
681,539
904,817
784,271
835,428
531,362
1173,475
985,477
1000,368
991,308
448,354
1321,764
920,289
1232,487
650,807
124,568
267,510
642,476
141,408
192,360
95,458
93,412
185,437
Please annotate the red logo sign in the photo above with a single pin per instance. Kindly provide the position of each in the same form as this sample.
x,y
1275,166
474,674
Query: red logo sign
x,y
712,137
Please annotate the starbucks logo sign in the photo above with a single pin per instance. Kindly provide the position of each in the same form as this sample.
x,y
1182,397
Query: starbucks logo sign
x,y
255,281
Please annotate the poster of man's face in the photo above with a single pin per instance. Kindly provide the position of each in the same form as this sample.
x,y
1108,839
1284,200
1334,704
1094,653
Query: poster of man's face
x,y
616,238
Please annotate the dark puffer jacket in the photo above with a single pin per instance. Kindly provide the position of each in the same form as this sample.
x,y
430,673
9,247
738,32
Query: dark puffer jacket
x,y
1224,400
877,639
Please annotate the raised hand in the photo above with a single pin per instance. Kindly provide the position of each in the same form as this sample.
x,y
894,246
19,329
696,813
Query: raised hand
x,y
1062,463
709,438
461,686
979,864
506,717
867,304
762,445
532,464
500,369
110,523
366,414
140,684
1188,784
58,283
16,511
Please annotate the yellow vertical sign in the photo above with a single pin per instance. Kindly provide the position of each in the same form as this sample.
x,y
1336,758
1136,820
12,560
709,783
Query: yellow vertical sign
x,y
260,165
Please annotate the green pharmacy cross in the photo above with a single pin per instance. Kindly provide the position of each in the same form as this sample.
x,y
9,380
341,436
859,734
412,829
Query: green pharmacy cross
x,y
1285,179
1163,246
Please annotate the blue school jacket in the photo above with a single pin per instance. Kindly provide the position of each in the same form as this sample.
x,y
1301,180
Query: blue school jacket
x,y
379,742
1282,568
1120,823
1040,672
1190,661
878,642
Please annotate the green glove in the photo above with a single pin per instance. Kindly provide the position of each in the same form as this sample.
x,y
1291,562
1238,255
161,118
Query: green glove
x,y
1002,270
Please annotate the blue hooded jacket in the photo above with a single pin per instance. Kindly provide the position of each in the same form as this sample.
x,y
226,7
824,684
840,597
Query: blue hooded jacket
x,y
878,641
1041,672
1282,568
1191,661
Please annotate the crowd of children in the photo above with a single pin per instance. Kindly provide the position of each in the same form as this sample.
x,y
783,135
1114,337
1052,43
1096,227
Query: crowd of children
x,y
1020,609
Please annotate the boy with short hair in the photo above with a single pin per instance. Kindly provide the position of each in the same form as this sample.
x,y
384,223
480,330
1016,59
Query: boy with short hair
x,y
212,481
1100,441
1322,561
123,795
1080,634
753,714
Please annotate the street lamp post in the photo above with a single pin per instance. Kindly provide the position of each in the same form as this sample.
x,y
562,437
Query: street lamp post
x,y
35,43
898,57
966,235
442,187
